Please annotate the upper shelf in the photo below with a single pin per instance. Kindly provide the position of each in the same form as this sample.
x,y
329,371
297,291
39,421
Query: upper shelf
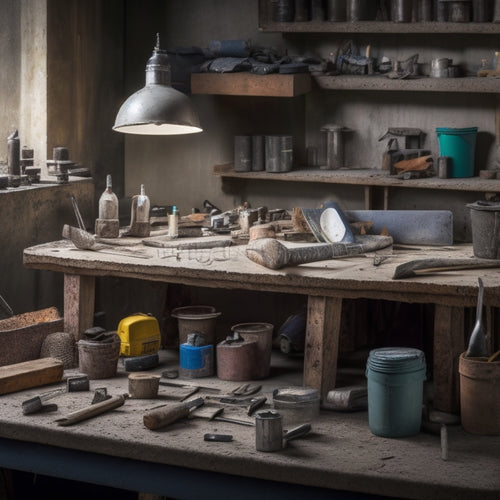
x,y
381,27
363,177
249,84
421,84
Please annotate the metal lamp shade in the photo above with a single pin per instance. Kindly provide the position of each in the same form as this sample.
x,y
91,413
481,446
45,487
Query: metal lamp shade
x,y
158,108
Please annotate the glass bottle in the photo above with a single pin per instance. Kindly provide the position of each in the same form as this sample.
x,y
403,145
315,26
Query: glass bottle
x,y
173,223
108,202
143,206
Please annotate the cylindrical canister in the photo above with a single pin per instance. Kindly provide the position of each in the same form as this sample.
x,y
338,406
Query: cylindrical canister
x,y
334,147
283,11
361,10
482,11
243,153
395,391
236,360
459,12
424,10
13,158
441,11
196,361
279,153
317,10
302,10
336,10
262,333
258,153
444,167
439,67
401,11
268,431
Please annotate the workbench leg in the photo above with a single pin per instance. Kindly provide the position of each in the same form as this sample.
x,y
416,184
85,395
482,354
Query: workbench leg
x,y
449,343
79,298
322,343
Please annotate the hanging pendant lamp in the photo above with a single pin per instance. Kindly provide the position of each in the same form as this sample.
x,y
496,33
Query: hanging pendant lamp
x,y
158,108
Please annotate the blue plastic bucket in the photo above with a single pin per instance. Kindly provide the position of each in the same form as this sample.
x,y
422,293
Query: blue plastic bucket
x,y
395,391
459,144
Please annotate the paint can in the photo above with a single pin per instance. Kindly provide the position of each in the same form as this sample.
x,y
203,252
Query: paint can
x,y
317,10
296,405
395,391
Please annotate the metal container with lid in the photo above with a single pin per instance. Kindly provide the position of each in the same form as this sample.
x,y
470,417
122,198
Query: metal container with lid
x,y
296,405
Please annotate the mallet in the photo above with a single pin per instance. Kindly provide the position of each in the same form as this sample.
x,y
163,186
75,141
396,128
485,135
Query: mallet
x,y
273,254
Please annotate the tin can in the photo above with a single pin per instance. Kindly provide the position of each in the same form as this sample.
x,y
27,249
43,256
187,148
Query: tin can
x,y
401,11
283,11
279,153
336,10
243,153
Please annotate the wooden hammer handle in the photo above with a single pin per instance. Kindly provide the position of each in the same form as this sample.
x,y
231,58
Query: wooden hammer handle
x,y
166,415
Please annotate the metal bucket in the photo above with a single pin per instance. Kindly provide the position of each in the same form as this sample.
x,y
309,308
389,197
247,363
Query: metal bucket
x,y
196,319
485,224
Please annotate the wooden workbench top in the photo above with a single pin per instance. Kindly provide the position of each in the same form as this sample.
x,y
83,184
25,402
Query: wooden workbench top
x,y
229,268
340,453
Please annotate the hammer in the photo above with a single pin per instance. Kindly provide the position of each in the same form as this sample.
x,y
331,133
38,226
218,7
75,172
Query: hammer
x,y
272,254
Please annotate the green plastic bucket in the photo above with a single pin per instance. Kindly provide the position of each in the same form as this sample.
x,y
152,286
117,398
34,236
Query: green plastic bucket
x,y
395,391
459,144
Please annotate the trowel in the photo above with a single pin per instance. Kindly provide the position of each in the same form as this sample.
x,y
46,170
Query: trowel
x,y
478,346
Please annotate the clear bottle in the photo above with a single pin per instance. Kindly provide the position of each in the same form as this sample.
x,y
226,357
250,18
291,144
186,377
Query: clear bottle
x,y
173,223
143,206
108,202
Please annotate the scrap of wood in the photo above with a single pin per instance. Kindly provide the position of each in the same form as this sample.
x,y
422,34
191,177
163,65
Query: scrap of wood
x,y
420,163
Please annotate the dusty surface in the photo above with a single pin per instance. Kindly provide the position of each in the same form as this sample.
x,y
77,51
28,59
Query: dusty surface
x,y
353,277
340,452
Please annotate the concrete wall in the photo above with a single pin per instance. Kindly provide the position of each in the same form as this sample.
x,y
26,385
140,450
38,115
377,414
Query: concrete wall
x,y
177,170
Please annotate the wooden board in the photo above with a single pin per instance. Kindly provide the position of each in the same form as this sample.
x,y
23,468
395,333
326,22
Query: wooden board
x,y
249,84
30,374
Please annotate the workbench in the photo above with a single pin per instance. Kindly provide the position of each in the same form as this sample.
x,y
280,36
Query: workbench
x,y
325,283
339,459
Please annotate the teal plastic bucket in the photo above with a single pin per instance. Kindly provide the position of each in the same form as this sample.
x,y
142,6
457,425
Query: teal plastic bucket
x,y
395,391
459,144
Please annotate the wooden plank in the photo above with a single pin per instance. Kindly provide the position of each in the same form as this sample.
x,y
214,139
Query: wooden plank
x,y
449,343
35,373
362,177
248,84
322,343
79,299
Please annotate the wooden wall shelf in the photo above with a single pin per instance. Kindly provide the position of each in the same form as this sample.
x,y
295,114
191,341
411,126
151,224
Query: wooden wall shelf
x,y
249,84
363,177
424,84
430,28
